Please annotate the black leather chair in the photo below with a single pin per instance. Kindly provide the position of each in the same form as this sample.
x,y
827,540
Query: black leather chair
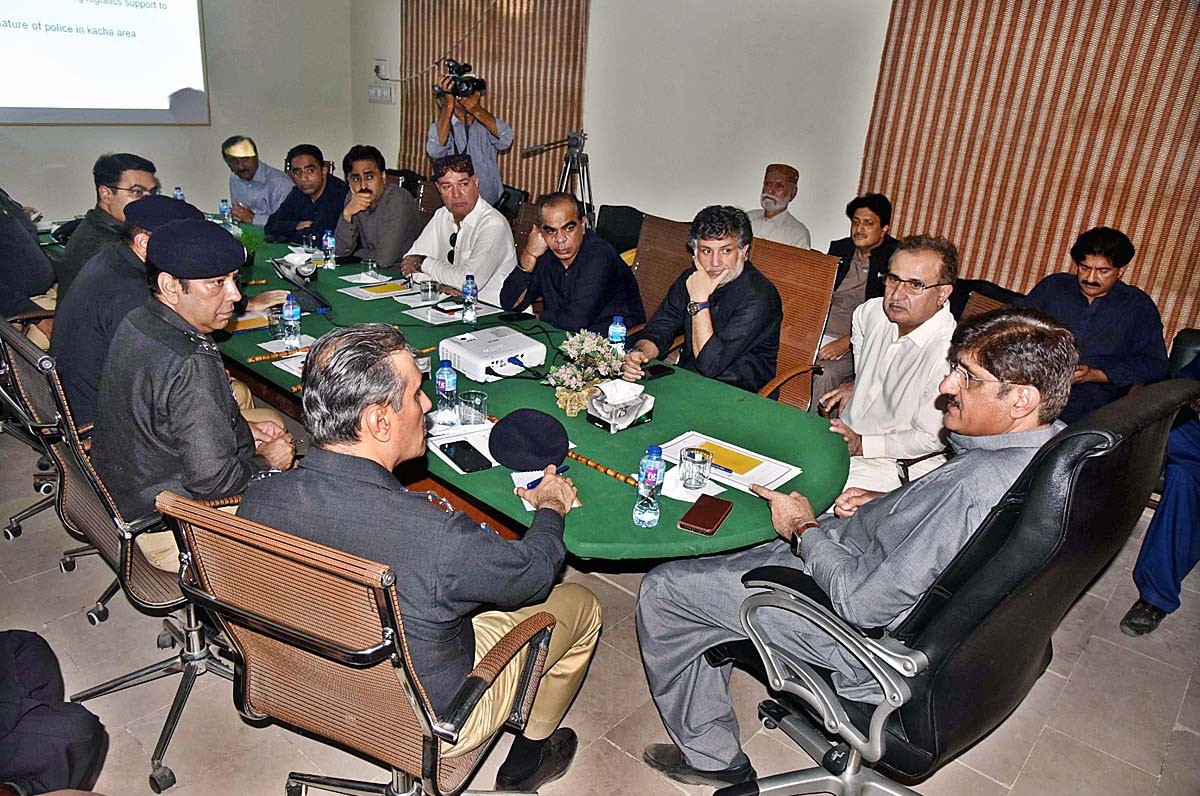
x,y
1184,348
620,225
976,642
963,288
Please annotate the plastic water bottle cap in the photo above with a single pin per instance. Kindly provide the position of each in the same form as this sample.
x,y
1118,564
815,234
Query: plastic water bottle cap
x,y
291,297
654,450
329,232
619,319
445,363
470,277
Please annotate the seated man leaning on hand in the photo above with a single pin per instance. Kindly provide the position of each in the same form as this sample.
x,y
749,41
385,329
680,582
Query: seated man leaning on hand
x,y
167,418
379,221
465,586
466,236
728,312
900,341
1010,374
578,275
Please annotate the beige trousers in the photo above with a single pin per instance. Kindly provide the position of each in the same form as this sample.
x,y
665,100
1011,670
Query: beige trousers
x,y
160,548
572,643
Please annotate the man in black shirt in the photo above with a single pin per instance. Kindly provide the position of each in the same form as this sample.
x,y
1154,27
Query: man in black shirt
x,y
314,205
120,179
465,586
728,312
579,277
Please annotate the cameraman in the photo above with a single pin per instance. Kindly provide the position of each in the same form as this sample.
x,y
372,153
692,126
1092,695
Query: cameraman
x,y
464,126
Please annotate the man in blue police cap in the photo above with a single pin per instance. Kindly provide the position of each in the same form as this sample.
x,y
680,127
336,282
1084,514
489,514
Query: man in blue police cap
x,y
167,418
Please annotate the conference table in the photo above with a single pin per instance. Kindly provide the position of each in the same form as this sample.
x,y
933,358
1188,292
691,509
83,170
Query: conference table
x,y
602,526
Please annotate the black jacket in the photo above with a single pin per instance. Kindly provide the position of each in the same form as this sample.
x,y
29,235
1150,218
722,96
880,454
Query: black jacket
x,y
24,268
98,230
843,249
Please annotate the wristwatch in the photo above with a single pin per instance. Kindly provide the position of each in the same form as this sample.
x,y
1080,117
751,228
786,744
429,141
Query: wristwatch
x,y
794,542
694,307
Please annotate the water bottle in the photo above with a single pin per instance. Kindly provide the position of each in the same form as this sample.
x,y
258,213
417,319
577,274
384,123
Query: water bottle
x,y
616,334
226,214
470,294
446,381
291,322
328,242
650,478
178,194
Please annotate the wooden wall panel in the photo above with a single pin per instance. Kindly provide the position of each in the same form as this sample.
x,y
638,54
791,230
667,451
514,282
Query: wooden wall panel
x,y
1012,126
532,54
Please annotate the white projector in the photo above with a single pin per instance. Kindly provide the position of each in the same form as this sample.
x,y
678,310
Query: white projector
x,y
475,353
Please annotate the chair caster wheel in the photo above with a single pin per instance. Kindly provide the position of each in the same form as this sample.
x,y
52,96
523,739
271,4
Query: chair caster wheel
x,y
293,788
97,615
165,641
44,464
67,564
12,531
161,779
770,725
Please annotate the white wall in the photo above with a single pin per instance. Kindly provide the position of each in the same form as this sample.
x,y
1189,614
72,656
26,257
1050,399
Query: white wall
x,y
374,33
278,71
686,101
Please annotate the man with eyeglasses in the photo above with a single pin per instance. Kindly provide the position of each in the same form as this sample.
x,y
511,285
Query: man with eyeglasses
x,y
465,236
120,179
379,221
314,204
900,341
874,558
256,190
1118,327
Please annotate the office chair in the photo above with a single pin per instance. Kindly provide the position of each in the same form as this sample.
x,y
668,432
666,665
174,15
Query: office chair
x,y
319,644
87,510
975,643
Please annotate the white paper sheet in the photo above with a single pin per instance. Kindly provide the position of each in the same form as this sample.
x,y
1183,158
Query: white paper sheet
x,y
435,317
770,473
673,487
395,289
293,365
362,278
414,299
275,346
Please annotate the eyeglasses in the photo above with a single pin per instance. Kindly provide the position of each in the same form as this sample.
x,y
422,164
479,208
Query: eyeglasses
x,y
137,190
453,241
911,286
965,379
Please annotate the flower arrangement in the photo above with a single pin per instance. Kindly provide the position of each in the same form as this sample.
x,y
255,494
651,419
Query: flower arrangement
x,y
590,359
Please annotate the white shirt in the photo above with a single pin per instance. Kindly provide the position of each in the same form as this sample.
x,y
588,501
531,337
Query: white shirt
x,y
783,228
484,248
896,382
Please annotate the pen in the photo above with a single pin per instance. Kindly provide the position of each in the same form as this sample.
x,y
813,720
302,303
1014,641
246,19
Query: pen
x,y
533,484
716,466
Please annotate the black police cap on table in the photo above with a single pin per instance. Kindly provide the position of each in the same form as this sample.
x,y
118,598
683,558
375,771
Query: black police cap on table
x,y
527,439
194,249
151,212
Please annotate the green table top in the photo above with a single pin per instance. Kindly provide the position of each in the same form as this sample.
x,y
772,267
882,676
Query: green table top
x,y
603,527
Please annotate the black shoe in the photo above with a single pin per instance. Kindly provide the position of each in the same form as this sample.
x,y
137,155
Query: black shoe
x,y
667,759
1141,619
557,755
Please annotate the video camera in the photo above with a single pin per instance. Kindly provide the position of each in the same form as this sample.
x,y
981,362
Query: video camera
x,y
463,83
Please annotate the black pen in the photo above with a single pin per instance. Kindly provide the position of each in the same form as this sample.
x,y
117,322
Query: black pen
x,y
533,484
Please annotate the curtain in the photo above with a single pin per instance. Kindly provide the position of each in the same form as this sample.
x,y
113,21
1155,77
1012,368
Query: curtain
x,y
530,52
1012,126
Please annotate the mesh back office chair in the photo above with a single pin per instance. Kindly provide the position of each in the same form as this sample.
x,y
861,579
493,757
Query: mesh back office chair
x,y
662,255
87,510
804,279
319,644
523,224
979,638
16,422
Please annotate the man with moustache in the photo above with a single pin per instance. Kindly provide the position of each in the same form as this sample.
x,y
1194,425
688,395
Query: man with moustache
x,y
774,221
314,204
579,277
728,312
465,127
379,221
1118,327
256,190
862,261
466,236
1010,374
167,417
900,341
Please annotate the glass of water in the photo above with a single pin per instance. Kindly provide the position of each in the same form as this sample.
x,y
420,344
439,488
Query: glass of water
x,y
695,464
472,407
371,270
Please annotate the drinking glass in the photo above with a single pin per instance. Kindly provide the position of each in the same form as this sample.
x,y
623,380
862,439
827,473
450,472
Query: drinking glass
x,y
695,464
275,322
472,407
371,270
430,289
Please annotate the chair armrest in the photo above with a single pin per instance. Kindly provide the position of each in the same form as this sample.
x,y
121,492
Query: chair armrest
x,y
904,464
783,378
28,318
887,660
534,633
216,503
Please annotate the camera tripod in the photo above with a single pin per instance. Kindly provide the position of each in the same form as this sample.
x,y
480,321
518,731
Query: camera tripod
x,y
576,176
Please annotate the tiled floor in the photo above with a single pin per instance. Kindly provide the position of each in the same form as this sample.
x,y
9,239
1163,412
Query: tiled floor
x,y
1113,715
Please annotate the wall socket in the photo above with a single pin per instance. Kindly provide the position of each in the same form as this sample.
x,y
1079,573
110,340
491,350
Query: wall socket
x,y
381,93
381,69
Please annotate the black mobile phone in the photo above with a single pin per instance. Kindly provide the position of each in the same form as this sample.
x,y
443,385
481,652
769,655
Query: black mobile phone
x,y
465,455
656,371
